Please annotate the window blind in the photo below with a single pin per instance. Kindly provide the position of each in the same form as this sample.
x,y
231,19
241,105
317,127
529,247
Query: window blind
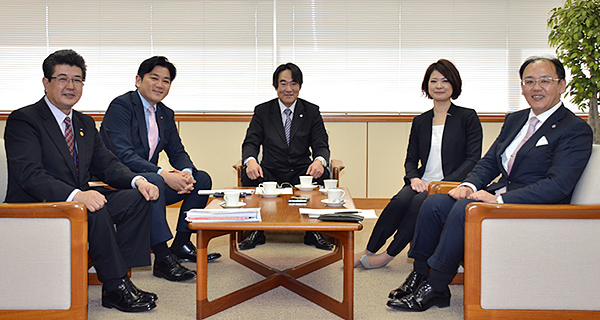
x,y
356,56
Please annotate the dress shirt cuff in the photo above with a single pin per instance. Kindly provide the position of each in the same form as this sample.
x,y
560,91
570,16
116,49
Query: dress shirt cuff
x,y
323,162
248,159
468,184
72,195
499,200
159,170
188,170
135,179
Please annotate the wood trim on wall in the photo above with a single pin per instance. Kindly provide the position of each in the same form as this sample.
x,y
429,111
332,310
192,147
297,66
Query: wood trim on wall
x,y
327,117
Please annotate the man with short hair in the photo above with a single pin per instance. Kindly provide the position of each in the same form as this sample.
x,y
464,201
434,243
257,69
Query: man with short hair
x,y
540,155
136,127
53,151
288,129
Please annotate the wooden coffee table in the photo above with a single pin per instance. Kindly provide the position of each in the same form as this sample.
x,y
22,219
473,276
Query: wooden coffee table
x,y
277,214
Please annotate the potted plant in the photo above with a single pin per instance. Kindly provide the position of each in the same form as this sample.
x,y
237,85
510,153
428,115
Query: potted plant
x,y
575,32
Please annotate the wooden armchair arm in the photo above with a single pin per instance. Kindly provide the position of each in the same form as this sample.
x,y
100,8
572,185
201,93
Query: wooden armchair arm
x,y
238,168
336,167
441,186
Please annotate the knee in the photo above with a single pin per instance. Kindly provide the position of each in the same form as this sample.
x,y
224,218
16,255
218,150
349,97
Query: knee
x,y
156,180
203,180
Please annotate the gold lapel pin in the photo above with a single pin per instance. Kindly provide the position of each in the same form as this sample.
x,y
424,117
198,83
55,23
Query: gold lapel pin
x,y
81,132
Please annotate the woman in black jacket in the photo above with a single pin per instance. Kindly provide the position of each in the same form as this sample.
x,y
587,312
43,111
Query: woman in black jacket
x,y
444,144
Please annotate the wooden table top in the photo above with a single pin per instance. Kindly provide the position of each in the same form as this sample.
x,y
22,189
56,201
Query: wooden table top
x,y
278,214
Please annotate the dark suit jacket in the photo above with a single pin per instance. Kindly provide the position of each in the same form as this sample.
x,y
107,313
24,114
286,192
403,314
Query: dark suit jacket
x,y
461,144
545,173
266,129
124,132
39,163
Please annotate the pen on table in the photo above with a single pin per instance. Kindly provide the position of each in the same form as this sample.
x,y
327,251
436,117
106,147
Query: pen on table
x,y
347,212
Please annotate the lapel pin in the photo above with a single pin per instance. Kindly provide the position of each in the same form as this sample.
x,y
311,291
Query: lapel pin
x,y
553,126
81,132
301,115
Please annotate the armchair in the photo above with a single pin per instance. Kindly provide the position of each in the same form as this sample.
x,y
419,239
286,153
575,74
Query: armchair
x,y
43,269
335,167
535,261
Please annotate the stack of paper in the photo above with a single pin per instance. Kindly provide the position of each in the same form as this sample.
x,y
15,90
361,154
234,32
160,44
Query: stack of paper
x,y
223,215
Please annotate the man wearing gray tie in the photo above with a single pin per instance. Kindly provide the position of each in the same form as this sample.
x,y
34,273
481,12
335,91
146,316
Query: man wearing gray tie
x,y
540,155
287,129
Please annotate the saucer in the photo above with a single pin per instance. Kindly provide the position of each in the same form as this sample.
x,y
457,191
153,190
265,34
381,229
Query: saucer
x,y
238,205
306,188
270,195
334,204
323,190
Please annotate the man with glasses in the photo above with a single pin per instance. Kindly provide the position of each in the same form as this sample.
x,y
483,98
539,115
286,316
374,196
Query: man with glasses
x,y
539,154
288,129
53,151
136,127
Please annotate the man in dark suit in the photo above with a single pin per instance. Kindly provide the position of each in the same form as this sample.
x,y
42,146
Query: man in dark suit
x,y
137,126
540,155
287,128
53,151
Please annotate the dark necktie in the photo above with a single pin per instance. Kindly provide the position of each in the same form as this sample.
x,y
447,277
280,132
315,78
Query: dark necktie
x,y
288,124
70,139
530,131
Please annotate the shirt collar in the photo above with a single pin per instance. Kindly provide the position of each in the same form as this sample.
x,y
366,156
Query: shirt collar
x,y
542,117
57,113
283,106
145,102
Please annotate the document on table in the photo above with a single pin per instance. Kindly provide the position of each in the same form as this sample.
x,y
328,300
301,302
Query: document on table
x,y
211,192
223,215
315,213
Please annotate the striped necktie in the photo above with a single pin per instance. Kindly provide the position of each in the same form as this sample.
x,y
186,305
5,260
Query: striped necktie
x,y
70,139
288,124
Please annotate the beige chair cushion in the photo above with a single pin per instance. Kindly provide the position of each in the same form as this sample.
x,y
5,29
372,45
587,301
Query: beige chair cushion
x,y
540,264
35,268
586,190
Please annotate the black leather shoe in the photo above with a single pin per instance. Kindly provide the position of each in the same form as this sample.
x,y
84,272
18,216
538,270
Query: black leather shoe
x,y
172,270
422,299
187,252
316,239
125,300
146,296
413,280
253,239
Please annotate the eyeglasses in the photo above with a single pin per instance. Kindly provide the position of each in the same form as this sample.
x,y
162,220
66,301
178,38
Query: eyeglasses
x,y
63,81
544,82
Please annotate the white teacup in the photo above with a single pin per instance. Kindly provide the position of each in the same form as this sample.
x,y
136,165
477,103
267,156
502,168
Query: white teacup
x,y
268,187
330,184
306,181
335,195
232,198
